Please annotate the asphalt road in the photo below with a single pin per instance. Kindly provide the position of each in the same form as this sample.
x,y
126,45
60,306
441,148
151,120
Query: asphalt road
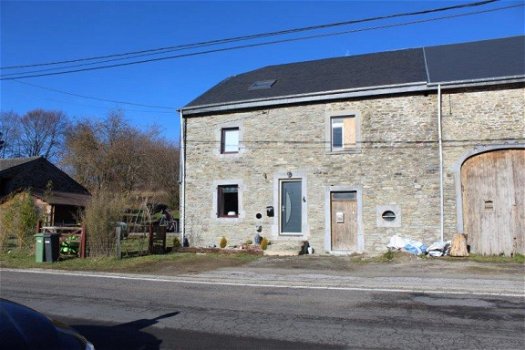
x,y
146,314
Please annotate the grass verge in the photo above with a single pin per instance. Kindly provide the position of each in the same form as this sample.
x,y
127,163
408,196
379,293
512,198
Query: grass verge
x,y
190,262
398,256
517,259
165,263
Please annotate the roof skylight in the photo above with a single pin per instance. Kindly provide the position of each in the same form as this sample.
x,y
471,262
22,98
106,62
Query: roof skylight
x,y
262,84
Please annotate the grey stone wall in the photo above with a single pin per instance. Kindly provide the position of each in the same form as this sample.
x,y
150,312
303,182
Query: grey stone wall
x,y
396,164
474,122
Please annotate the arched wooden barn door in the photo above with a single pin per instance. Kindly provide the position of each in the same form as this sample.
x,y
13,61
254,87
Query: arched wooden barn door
x,y
492,185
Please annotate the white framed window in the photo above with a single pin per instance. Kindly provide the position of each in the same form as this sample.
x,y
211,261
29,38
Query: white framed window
x,y
229,140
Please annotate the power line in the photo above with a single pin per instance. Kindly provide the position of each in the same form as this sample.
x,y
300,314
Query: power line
x,y
252,36
259,44
173,108
120,108
94,98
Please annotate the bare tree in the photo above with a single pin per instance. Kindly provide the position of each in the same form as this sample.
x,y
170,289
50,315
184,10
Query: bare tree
x,y
84,155
107,154
10,130
163,170
42,133
112,155
36,133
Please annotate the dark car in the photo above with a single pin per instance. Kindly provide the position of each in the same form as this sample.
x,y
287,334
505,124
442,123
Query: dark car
x,y
26,329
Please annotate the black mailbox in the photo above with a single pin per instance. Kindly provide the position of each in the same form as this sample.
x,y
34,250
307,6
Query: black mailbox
x,y
269,211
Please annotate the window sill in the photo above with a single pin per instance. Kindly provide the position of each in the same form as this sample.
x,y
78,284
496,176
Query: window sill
x,y
345,151
228,221
231,155
291,234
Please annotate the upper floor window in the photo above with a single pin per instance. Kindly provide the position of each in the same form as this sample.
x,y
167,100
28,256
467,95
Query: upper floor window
x,y
230,140
343,133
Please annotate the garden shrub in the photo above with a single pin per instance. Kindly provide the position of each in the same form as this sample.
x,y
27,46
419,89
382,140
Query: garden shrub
x,y
19,218
176,243
264,243
223,242
3,234
100,218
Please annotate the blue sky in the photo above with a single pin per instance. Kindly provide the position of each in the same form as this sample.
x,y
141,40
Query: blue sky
x,y
44,31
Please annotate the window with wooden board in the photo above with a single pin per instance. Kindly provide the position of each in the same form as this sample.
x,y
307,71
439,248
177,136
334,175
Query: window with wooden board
x,y
343,133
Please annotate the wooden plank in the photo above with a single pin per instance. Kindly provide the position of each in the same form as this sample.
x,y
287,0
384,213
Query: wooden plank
x,y
343,224
518,205
493,206
349,131
83,242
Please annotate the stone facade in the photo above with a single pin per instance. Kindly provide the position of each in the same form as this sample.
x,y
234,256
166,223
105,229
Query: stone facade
x,y
394,165
474,122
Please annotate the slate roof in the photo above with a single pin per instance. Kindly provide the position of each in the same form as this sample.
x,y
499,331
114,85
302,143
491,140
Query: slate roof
x,y
12,162
35,173
482,60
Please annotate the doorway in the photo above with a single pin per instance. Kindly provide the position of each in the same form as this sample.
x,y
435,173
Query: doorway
x,y
492,185
343,221
291,206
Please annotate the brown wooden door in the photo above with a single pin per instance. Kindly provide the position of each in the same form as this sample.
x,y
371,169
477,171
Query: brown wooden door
x,y
344,221
493,202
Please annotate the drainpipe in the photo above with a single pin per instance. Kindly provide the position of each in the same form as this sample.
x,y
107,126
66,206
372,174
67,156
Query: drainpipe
x,y
182,177
440,142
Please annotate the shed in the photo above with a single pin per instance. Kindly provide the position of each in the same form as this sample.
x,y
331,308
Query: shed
x,y
59,197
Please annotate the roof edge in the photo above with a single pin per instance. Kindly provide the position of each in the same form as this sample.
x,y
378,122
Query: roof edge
x,y
21,161
347,93
480,82
312,95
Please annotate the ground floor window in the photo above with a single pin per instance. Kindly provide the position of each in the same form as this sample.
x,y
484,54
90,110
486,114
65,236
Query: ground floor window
x,y
228,201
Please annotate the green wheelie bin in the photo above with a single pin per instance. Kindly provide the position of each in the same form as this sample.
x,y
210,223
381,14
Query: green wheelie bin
x,y
39,247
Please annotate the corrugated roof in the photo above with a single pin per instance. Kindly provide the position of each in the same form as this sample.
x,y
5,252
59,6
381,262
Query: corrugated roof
x,y
488,59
